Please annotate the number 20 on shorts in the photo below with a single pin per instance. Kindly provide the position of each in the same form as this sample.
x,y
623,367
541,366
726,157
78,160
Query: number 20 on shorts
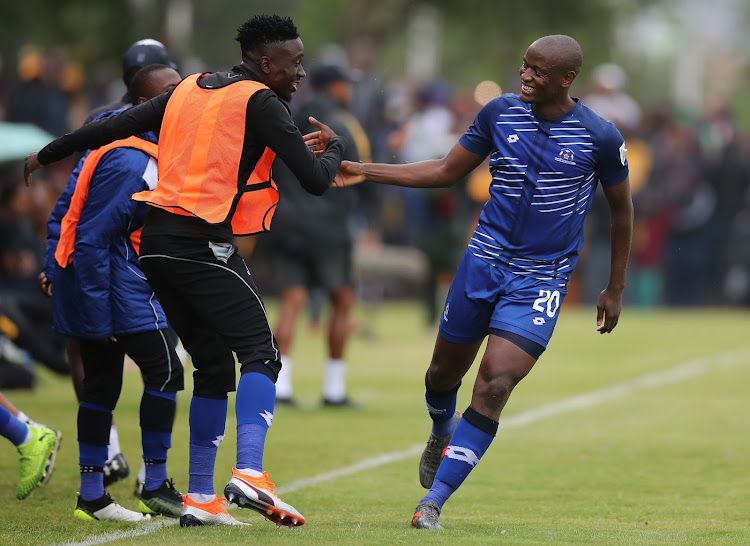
x,y
547,302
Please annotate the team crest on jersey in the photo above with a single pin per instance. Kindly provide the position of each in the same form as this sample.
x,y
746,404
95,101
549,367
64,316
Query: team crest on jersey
x,y
566,156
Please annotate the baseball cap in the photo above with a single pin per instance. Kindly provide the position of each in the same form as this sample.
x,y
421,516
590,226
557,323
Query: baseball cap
x,y
143,53
322,75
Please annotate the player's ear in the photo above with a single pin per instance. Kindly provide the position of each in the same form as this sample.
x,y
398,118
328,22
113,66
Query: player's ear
x,y
568,78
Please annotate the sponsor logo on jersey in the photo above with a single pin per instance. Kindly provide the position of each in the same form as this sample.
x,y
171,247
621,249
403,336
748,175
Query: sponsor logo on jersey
x,y
512,138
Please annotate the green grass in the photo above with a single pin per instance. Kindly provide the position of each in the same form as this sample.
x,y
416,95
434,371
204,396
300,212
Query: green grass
x,y
661,464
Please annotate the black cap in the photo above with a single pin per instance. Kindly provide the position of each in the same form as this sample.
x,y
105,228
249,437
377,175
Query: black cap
x,y
322,75
143,53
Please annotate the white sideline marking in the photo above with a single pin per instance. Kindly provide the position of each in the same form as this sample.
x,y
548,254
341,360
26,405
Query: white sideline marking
x,y
139,530
670,376
676,374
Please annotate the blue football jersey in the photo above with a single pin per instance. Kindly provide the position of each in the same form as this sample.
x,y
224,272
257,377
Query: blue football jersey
x,y
544,175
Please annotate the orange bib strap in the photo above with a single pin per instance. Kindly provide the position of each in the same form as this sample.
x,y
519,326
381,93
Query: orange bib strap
x,y
66,244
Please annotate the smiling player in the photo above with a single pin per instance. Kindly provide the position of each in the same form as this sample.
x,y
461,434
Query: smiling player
x,y
547,154
220,133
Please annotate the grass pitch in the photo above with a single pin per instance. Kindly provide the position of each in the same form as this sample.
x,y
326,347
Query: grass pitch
x,y
637,437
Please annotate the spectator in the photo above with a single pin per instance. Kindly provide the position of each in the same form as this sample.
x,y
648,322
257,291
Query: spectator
x,y
313,242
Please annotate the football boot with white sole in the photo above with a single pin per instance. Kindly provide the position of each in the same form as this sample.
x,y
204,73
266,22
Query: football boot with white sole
x,y
195,514
106,509
257,493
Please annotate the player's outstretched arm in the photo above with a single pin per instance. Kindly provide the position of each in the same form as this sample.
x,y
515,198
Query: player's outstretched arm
x,y
433,173
609,305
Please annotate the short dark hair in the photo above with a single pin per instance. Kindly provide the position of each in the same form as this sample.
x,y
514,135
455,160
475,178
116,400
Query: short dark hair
x,y
262,30
139,84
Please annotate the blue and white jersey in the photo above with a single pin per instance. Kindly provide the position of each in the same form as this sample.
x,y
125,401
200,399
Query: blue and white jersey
x,y
544,175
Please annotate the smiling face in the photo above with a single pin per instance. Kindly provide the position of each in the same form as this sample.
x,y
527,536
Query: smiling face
x,y
548,69
282,67
541,76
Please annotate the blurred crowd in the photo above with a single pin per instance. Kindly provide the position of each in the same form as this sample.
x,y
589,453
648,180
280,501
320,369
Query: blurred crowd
x,y
689,175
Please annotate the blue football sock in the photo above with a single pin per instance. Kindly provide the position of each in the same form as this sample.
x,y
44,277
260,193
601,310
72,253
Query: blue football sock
x,y
473,435
94,422
207,423
91,459
156,473
12,428
442,407
92,484
439,493
256,396
157,418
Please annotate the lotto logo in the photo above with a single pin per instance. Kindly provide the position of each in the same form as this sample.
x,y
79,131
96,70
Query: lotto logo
x,y
539,321
462,454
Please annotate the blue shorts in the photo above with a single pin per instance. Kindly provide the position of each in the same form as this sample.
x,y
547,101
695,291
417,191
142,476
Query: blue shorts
x,y
487,295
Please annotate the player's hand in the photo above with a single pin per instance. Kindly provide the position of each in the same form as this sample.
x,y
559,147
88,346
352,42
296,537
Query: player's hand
x,y
350,174
31,165
318,140
608,309
45,285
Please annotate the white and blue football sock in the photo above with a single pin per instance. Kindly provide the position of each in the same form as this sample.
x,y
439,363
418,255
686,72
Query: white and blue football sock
x,y
473,435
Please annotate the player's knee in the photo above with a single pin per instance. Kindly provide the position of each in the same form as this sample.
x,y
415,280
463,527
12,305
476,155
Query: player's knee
x,y
442,378
495,390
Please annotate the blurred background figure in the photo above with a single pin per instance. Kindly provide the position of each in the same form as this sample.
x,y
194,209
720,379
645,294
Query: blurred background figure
x,y
434,220
26,334
141,53
609,99
312,239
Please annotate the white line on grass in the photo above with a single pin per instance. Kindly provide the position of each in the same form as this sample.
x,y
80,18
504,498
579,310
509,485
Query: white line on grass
x,y
140,530
676,374
681,372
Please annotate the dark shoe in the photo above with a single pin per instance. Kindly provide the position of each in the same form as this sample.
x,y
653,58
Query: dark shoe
x,y
426,516
433,454
116,469
346,403
165,500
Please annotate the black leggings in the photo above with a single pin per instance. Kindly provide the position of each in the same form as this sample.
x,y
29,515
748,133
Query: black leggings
x,y
154,353
211,301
